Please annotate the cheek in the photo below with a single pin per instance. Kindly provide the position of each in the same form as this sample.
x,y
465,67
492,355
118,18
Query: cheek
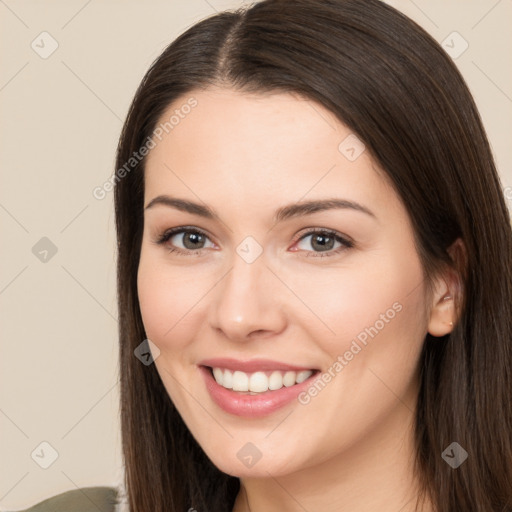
x,y
348,301
168,302
379,321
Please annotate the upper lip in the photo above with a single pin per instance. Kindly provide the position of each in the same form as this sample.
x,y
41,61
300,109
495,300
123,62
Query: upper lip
x,y
253,365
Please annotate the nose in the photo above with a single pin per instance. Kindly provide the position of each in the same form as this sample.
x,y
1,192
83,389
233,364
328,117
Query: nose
x,y
248,302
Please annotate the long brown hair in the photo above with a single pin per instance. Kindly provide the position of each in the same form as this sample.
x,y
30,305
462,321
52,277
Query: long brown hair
x,y
392,84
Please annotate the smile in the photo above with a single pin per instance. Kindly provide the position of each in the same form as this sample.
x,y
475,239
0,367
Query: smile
x,y
254,389
258,382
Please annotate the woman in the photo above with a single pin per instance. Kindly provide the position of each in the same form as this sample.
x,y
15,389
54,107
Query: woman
x,y
314,271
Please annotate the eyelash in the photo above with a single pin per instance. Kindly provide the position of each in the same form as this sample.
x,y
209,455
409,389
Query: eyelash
x,y
166,235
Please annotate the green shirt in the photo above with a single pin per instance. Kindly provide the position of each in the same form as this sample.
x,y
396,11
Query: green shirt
x,y
86,499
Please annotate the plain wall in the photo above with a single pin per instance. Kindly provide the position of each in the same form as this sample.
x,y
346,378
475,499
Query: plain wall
x,y
61,119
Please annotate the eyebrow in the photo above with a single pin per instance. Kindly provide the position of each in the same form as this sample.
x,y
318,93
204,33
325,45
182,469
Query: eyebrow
x,y
284,213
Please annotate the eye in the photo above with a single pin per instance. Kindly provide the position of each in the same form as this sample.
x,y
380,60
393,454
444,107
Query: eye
x,y
323,242
188,241
184,240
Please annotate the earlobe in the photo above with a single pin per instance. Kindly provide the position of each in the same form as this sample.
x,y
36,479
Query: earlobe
x,y
444,311
442,316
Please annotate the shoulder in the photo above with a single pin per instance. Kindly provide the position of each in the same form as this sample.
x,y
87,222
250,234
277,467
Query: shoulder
x,y
86,499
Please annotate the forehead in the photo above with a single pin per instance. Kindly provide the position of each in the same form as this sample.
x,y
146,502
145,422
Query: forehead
x,y
241,148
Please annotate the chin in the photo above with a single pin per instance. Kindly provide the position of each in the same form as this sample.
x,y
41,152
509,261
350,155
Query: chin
x,y
245,461
260,470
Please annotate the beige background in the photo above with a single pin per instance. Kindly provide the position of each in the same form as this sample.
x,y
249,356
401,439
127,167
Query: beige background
x,y
61,118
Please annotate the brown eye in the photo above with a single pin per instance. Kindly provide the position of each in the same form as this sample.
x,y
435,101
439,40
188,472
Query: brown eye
x,y
184,239
322,241
192,240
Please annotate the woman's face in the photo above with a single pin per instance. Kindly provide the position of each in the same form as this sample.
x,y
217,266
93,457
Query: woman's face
x,y
266,290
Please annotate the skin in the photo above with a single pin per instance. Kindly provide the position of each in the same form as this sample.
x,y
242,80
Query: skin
x,y
350,448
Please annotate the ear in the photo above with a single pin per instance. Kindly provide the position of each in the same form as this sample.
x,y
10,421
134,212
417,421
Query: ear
x,y
447,295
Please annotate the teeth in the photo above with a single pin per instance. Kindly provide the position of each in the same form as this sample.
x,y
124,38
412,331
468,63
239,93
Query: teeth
x,y
275,381
219,376
240,381
289,379
227,380
302,376
258,382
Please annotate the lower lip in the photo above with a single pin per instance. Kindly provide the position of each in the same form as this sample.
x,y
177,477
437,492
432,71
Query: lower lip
x,y
251,406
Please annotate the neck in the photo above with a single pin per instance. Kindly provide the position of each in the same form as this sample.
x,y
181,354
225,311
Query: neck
x,y
376,473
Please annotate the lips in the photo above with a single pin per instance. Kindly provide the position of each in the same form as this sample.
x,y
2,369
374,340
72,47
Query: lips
x,y
254,388
254,365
